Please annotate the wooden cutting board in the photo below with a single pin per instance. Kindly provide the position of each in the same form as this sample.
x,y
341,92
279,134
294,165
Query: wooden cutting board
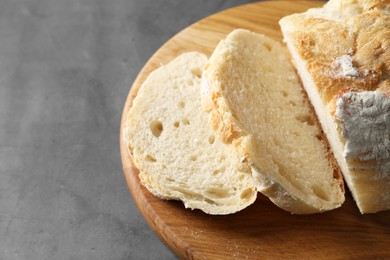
x,y
262,230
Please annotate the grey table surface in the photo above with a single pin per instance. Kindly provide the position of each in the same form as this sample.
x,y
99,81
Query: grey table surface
x,y
66,67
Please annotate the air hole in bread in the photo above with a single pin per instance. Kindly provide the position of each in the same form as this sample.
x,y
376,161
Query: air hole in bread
x,y
285,94
130,148
209,201
216,172
246,194
197,72
277,141
295,133
222,158
181,104
217,192
305,119
176,124
292,103
190,82
282,170
186,121
267,46
211,139
193,157
156,127
319,137
150,158
320,192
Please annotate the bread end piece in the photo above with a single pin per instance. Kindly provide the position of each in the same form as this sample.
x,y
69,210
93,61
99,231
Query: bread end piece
x,y
343,63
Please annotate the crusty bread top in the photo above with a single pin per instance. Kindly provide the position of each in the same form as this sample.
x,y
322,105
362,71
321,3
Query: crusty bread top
x,y
356,29
342,52
258,106
174,148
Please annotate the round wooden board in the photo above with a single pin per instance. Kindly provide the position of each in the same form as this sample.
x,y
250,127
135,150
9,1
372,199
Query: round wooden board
x,y
262,230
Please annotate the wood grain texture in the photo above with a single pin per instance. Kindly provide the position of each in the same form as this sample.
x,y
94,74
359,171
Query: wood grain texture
x,y
262,230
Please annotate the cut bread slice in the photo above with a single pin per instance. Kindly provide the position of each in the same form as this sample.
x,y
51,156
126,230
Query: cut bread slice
x,y
174,148
257,105
341,52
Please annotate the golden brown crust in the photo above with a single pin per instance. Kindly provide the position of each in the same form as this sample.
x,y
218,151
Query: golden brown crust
x,y
344,47
385,87
222,123
372,32
365,37
369,48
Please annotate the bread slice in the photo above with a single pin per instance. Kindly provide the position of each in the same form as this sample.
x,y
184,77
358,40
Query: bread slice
x,y
342,53
175,149
258,105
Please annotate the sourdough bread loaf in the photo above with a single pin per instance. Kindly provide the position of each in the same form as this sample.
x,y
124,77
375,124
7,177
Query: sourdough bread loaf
x,y
174,148
342,53
257,105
